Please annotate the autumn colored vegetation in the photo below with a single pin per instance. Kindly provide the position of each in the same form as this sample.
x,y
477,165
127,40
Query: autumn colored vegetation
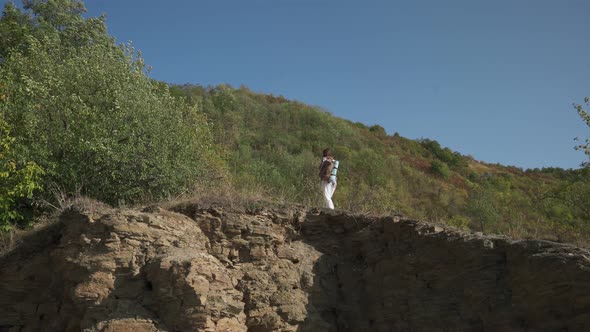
x,y
272,145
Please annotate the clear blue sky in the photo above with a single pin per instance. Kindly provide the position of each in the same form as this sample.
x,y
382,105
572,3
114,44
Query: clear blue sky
x,y
492,79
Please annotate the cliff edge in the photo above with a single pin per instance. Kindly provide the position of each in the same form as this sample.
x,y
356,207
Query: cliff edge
x,y
193,268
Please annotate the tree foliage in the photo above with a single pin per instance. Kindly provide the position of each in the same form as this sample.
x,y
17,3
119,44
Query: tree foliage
x,y
17,180
440,168
585,145
85,111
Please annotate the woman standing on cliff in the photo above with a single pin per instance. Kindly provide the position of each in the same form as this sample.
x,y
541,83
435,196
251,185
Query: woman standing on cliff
x,y
328,169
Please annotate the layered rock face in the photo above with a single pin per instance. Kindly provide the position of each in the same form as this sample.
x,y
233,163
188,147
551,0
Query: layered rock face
x,y
208,269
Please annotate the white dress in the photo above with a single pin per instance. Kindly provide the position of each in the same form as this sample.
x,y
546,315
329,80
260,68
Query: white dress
x,y
328,189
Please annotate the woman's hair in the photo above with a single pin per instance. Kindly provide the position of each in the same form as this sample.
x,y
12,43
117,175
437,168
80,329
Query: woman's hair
x,y
327,152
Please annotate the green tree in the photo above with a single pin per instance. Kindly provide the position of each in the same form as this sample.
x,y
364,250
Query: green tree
x,y
85,110
14,27
461,222
440,168
17,180
482,208
585,146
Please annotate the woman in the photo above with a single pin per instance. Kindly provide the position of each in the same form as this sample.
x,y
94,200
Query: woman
x,y
328,180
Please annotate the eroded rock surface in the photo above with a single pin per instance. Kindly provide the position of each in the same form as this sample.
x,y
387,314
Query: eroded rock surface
x,y
292,269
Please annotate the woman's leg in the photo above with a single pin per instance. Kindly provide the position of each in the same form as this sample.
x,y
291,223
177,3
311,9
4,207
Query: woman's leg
x,y
328,190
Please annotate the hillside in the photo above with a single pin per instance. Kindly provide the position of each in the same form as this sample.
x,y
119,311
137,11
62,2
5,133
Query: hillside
x,y
206,268
80,116
214,224
272,145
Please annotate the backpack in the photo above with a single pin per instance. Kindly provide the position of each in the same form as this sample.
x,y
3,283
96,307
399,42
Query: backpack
x,y
326,169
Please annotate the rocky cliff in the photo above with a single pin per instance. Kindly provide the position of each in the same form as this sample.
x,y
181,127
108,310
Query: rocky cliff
x,y
192,268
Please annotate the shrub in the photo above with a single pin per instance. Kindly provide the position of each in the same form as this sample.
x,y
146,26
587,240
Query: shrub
x,y
17,180
378,131
459,222
439,168
85,111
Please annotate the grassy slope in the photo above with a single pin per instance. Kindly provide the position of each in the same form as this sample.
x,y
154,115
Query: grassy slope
x,y
272,146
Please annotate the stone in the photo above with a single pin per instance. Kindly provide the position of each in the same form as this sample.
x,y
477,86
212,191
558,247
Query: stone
x,y
191,268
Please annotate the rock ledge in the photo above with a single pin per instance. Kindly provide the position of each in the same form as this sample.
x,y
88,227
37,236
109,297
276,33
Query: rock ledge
x,y
209,269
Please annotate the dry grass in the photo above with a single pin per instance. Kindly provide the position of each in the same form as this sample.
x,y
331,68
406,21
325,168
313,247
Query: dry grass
x,y
7,241
480,168
224,197
82,203
63,201
13,238
231,199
